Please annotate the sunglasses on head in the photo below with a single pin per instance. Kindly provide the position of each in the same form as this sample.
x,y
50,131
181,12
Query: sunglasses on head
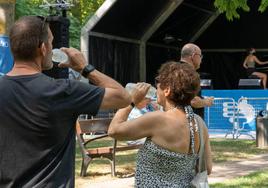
x,y
44,20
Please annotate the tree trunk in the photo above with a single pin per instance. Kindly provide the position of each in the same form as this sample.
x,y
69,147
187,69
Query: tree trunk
x,y
7,14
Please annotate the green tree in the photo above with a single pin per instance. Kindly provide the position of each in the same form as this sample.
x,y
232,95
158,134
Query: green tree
x,y
84,9
231,7
88,8
78,15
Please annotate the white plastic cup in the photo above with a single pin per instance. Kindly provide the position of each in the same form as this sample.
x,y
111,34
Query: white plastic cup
x,y
151,94
59,56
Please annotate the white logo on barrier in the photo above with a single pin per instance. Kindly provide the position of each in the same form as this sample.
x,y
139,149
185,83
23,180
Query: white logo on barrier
x,y
229,110
3,43
246,111
242,110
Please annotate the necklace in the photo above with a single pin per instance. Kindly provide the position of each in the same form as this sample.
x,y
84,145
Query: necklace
x,y
171,108
174,107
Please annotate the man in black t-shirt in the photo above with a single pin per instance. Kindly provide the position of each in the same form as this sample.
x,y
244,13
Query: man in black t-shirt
x,y
38,113
191,53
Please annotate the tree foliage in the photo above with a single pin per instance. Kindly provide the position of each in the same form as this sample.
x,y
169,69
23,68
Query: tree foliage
x,y
88,8
25,7
263,5
231,7
78,15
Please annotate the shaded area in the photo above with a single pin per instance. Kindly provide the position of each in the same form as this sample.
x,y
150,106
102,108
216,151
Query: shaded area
x,y
116,39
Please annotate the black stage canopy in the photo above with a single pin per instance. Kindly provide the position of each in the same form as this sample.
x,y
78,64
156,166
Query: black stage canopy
x,y
129,40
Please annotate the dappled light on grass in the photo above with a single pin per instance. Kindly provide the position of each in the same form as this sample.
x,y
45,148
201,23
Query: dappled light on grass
x,y
100,167
125,163
232,150
256,180
226,156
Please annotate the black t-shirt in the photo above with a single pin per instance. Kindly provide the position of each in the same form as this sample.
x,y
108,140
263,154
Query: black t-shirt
x,y
37,128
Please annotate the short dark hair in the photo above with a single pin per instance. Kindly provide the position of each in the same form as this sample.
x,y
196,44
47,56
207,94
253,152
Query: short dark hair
x,y
183,80
26,35
251,50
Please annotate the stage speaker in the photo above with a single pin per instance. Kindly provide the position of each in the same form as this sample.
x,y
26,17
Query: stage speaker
x,y
206,84
250,84
59,27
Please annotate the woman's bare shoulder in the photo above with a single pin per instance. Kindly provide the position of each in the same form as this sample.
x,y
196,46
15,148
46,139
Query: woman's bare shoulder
x,y
158,118
156,115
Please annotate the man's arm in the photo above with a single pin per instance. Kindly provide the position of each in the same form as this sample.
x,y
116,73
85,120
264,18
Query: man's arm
x,y
115,95
198,102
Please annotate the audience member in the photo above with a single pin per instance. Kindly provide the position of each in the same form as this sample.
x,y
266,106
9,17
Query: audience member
x,y
191,54
249,64
38,113
168,156
144,106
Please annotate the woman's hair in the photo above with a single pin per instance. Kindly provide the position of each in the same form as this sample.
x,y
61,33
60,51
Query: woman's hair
x,y
26,35
183,80
251,50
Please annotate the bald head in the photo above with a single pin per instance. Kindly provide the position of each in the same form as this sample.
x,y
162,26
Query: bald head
x,y
191,53
189,49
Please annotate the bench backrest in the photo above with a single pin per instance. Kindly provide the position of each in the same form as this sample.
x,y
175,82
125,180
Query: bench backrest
x,y
89,126
90,130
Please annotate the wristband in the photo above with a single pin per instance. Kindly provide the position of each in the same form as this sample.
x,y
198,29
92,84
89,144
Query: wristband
x,y
87,69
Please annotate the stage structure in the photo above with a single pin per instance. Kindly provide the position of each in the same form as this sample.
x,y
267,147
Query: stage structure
x,y
129,40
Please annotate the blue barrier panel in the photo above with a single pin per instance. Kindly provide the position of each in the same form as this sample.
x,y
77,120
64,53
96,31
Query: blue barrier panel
x,y
6,58
222,115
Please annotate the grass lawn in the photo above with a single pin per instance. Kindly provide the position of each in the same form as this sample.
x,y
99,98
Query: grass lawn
x,y
232,150
223,150
253,180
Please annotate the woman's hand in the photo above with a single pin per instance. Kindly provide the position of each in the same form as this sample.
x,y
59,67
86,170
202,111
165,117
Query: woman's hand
x,y
139,92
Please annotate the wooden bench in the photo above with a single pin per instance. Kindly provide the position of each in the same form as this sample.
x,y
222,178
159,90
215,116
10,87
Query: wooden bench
x,y
90,130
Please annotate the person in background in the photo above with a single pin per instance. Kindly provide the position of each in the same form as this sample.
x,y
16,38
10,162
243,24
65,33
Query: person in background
x,y
168,156
73,75
192,54
249,64
38,113
144,106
